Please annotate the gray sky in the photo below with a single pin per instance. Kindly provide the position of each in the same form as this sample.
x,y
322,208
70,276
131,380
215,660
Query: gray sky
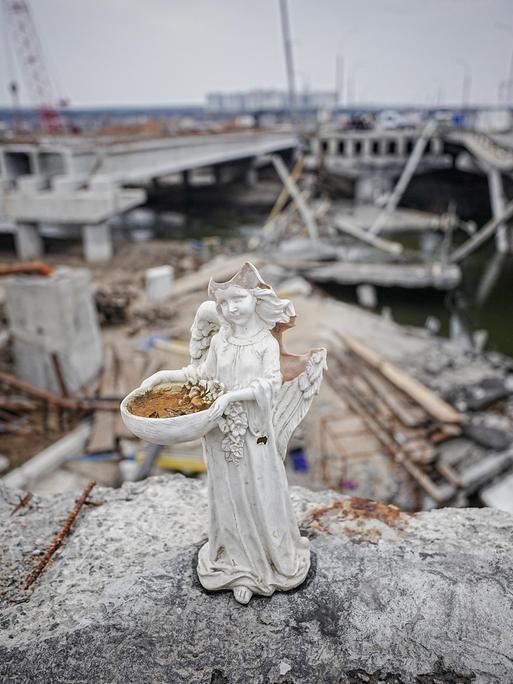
x,y
106,52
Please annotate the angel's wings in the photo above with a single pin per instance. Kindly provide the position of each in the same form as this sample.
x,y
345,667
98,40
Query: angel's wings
x,y
205,325
295,398
302,374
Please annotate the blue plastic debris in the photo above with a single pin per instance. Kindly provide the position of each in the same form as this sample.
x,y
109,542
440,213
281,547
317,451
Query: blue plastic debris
x,y
299,460
149,342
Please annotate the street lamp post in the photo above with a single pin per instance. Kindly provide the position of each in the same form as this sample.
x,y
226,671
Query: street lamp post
x,y
466,84
508,88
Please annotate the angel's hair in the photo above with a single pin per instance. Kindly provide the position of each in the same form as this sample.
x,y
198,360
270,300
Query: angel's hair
x,y
269,307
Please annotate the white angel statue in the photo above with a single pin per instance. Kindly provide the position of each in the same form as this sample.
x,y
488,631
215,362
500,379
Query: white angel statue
x,y
254,545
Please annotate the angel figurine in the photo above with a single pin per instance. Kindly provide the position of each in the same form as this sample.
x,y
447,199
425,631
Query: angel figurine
x,y
254,545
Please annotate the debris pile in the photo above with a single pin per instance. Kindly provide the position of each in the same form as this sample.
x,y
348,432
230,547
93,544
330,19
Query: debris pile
x,y
390,412
407,419
419,436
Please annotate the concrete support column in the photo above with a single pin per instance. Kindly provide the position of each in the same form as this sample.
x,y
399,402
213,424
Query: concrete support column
x,y
218,174
97,242
370,187
504,234
437,146
401,147
250,176
29,244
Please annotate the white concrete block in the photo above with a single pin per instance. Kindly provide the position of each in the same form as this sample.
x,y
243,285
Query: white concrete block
x,y
28,242
500,494
54,315
97,242
292,287
367,296
159,282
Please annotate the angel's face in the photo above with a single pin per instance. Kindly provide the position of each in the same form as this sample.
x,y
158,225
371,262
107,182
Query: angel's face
x,y
237,305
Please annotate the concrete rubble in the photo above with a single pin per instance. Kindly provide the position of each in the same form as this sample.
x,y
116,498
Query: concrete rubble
x,y
391,596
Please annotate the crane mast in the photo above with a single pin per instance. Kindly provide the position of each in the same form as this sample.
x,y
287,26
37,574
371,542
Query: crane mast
x,y
29,52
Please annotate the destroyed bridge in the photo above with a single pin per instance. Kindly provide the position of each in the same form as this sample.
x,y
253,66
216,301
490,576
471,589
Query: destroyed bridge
x,y
87,180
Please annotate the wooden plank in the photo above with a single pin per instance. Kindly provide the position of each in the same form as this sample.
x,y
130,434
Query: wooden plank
x,y
340,380
130,367
424,481
102,434
413,441
434,405
411,415
50,398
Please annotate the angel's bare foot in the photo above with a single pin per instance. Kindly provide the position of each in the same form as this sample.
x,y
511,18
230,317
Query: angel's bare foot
x,y
242,595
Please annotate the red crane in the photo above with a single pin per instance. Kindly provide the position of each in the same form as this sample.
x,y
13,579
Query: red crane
x,y
29,52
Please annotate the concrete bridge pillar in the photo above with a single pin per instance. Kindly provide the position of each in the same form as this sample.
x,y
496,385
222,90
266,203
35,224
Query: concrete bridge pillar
x,y
250,175
218,174
504,234
28,242
368,188
97,242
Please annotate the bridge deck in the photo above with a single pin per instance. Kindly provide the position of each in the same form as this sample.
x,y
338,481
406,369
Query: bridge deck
x,y
133,161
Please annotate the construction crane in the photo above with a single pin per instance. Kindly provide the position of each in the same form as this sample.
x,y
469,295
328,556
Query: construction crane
x,y
27,47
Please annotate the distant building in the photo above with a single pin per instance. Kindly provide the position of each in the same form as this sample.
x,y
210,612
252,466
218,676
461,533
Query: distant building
x,y
268,100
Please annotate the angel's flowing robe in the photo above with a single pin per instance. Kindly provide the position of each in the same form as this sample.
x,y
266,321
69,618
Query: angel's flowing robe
x,y
253,538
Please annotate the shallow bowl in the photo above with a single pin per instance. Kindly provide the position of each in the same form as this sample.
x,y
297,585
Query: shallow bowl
x,y
165,431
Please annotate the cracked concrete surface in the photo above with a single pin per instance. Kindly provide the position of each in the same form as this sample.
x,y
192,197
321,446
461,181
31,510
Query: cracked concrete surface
x,y
391,597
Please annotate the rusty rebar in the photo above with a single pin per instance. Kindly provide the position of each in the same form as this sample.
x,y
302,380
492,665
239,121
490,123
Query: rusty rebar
x,y
59,537
24,501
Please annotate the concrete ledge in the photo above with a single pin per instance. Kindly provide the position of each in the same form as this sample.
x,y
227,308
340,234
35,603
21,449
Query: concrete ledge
x,y
390,597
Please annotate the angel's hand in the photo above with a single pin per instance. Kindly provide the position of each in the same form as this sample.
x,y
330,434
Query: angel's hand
x,y
155,379
218,407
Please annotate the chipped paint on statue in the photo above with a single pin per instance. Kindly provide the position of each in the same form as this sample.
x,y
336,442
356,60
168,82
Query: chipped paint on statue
x,y
254,545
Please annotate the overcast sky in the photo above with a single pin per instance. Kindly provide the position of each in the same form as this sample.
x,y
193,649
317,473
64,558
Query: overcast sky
x,y
108,52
